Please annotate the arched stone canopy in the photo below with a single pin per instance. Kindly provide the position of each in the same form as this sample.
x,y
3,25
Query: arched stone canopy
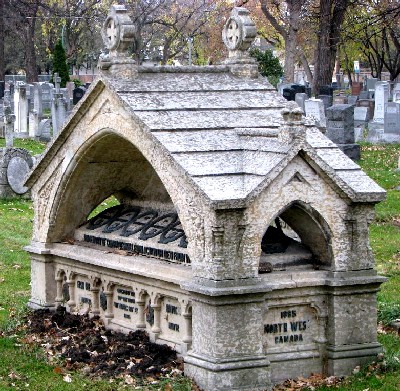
x,y
107,164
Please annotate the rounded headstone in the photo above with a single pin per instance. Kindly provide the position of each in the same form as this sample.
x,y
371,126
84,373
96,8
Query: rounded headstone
x,y
17,172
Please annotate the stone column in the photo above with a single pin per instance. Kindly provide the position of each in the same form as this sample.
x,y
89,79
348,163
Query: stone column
x,y
95,310
59,287
109,297
71,290
156,329
141,324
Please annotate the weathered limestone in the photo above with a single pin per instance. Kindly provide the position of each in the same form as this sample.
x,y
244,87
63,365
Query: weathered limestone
x,y
21,111
241,237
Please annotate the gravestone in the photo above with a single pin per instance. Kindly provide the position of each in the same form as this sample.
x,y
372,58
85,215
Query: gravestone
x,y
44,130
44,78
327,100
78,94
59,107
392,118
371,85
381,99
253,275
289,94
396,93
326,90
360,123
352,100
315,109
46,95
15,166
20,111
340,129
2,88
300,98
340,99
364,95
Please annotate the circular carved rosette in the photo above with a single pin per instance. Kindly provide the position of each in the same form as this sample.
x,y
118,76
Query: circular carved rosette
x,y
118,29
239,30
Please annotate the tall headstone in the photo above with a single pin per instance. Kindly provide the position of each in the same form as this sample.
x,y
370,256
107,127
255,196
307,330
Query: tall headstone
x,y
381,99
340,129
21,111
300,98
315,109
9,119
392,118
371,83
46,95
59,107
396,93
327,99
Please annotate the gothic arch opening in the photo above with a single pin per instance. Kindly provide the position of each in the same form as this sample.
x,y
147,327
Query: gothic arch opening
x,y
298,238
112,166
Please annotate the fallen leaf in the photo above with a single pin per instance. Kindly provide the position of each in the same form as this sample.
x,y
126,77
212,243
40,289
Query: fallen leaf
x,y
67,379
58,370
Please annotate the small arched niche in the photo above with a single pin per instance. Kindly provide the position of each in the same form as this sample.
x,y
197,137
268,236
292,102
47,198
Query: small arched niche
x,y
297,239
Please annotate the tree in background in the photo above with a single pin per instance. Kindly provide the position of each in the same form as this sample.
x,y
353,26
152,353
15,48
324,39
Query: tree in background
x,y
60,65
268,65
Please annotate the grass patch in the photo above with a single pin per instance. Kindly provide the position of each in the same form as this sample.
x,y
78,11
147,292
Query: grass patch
x,y
34,147
24,366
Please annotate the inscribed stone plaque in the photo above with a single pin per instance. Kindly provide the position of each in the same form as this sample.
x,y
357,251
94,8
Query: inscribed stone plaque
x,y
140,230
171,320
124,305
286,328
83,295
17,172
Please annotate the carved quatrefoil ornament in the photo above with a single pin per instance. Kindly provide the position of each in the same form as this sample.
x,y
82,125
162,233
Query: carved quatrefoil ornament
x,y
239,30
118,30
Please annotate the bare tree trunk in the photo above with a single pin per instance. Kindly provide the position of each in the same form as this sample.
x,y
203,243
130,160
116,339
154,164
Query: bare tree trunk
x,y
330,21
30,53
2,36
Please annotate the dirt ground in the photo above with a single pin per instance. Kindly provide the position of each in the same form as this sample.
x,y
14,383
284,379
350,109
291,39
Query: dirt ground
x,y
84,344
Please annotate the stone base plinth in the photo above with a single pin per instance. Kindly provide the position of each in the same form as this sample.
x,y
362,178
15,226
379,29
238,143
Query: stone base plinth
x,y
343,359
241,374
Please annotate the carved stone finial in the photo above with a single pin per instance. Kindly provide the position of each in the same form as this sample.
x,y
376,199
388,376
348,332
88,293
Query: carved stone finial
x,y
238,33
292,113
118,35
294,127
118,30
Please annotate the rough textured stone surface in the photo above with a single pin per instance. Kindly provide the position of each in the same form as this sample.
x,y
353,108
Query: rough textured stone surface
x,y
221,150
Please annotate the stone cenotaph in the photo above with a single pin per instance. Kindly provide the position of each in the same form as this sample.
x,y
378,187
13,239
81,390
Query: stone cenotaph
x,y
240,234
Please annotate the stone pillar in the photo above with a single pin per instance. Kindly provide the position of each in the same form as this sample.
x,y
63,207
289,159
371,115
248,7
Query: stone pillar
x,y
71,290
21,111
44,290
156,329
59,289
141,324
95,310
109,297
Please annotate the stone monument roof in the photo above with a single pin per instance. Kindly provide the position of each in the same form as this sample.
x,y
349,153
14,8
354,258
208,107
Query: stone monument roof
x,y
223,124
223,130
